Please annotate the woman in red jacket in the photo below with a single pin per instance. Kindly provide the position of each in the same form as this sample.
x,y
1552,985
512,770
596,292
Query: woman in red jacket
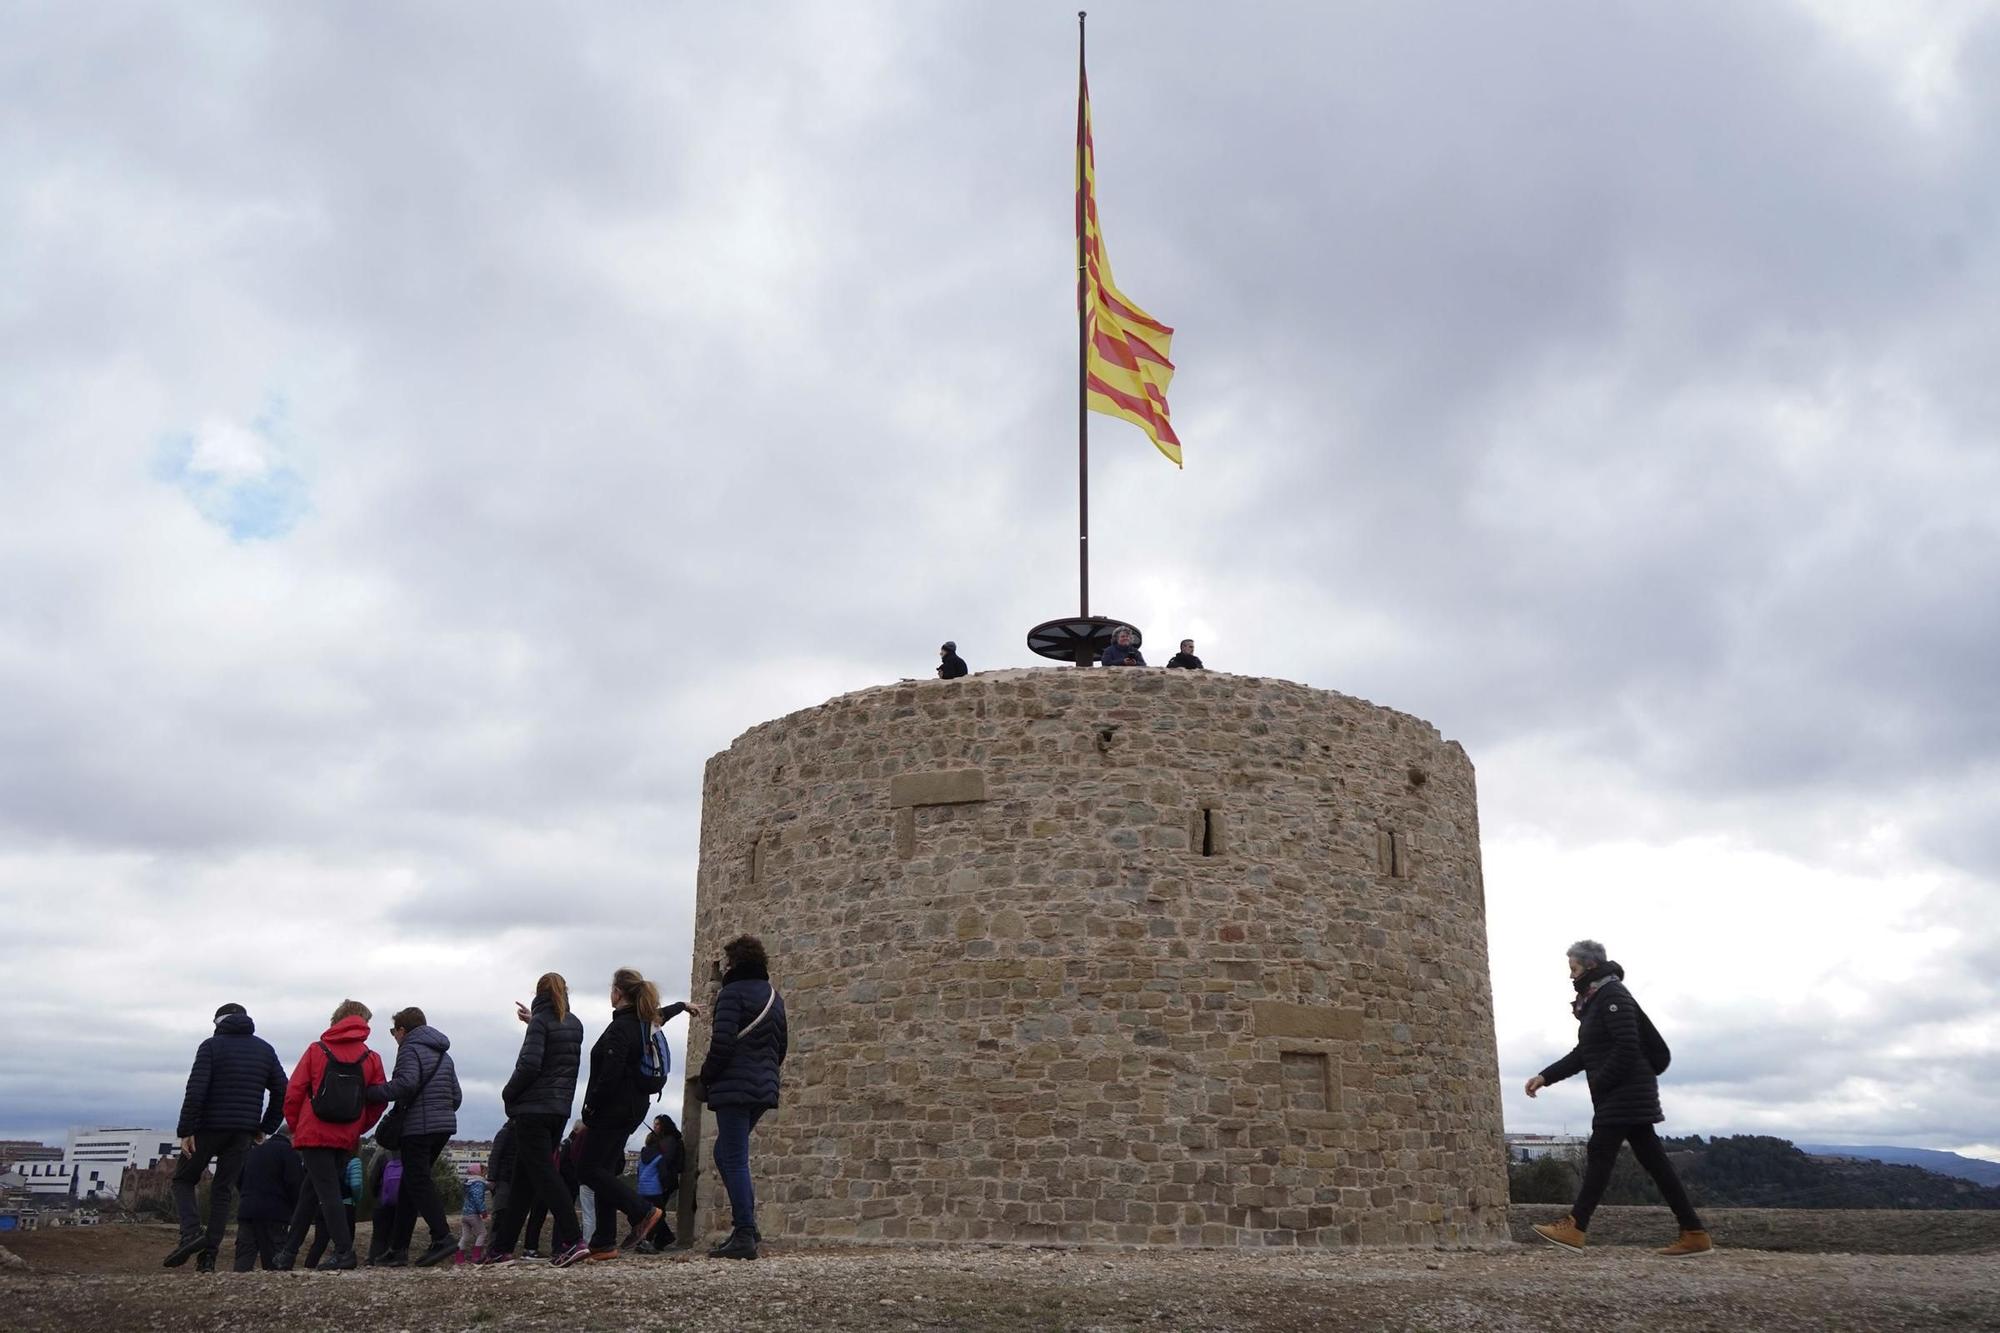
x,y
329,1112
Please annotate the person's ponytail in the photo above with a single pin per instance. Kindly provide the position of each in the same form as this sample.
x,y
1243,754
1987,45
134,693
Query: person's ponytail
x,y
641,994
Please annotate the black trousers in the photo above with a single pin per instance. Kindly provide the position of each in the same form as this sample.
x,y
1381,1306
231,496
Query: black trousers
x,y
321,1198
382,1230
602,1168
257,1240
418,1194
536,1181
321,1236
1602,1154
227,1149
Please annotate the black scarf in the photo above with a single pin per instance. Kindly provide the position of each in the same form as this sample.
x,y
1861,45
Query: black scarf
x,y
1587,984
746,971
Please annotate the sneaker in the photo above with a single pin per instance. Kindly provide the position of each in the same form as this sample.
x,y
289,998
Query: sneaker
x,y
532,1255
394,1259
340,1261
741,1244
643,1229
494,1259
439,1251
1564,1234
1690,1243
185,1251
282,1261
205,1262
603,1256
575,1254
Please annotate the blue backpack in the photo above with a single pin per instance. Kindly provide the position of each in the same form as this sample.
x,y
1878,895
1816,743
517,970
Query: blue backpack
x,y
655,1062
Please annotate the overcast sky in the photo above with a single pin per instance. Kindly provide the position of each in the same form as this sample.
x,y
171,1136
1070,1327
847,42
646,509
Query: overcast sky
x,y
428,433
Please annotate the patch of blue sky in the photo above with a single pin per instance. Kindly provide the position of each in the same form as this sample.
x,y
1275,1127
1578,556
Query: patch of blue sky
x,y
245,479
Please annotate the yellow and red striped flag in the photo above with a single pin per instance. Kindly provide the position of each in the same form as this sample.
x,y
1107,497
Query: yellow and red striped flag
x,y
1126,368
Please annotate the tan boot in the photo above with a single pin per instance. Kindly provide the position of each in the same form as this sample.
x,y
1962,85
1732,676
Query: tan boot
x,y
1691,1242
1564,1233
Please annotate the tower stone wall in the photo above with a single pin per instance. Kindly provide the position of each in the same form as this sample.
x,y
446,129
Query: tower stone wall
x,y
1129,956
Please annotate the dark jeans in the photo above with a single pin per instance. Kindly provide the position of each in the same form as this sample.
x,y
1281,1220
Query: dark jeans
x,y
384,1228
227,1149
257,1241
321,1198
662,1235
536,1181
1599,1158
732,1158
418,1194
602,1168
320,1236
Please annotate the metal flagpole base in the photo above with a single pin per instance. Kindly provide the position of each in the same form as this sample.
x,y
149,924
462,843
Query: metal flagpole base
x,y
1078,639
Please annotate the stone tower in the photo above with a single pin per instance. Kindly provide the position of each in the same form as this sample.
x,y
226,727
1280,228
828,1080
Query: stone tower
x,y
1132,956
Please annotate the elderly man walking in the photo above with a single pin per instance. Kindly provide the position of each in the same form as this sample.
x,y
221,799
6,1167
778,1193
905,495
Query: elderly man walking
x,y
1622,1056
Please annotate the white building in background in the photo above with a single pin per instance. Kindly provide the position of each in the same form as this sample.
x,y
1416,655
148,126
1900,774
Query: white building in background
x,y
1528,1147
42,1180
98,1157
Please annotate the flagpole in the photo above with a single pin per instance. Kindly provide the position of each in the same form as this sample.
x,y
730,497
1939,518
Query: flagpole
x,y
1082,356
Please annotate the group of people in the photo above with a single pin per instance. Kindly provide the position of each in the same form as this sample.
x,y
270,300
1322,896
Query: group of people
x,y
1123,650
241,1107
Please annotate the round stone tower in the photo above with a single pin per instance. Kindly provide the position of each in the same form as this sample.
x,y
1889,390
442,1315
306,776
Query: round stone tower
x,y
1128,956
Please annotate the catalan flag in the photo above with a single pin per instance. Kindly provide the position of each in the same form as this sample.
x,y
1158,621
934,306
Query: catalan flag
x,y
1126,369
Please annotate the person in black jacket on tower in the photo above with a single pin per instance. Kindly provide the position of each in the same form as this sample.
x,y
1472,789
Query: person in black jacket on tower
x,y
1185,660
537,1099
272,1175
614,1104
747,1042
1624,1096
950,665
235,1096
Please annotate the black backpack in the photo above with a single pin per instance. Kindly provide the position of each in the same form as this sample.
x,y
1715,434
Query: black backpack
x,y
338,1100
1658,1057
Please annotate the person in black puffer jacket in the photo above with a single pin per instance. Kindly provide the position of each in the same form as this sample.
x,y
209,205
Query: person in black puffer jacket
x,y
426,1084
1612,1051
235,1096
614,1104
272,1176
537,1100
739,1078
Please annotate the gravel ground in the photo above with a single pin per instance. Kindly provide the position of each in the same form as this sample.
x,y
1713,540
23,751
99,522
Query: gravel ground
x,y
1525,1288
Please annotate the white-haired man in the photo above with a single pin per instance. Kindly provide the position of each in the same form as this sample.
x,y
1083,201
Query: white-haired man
x,y
1622,1055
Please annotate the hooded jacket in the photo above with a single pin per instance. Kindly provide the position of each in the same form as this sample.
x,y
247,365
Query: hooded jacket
x,y
424,1062
1623,1088
739,1070
348,1040
272,1174
236,1085
544,1077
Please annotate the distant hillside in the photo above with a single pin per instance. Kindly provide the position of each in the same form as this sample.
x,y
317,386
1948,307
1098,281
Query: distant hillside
x,y
1930,1159
1753,1171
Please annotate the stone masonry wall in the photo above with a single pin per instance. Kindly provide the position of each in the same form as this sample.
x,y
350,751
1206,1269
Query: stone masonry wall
x,y
1136,956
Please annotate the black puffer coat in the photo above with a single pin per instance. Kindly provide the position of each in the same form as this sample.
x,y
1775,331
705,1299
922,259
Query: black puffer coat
x,y
544,1078
269,1185
1623,1088
612,1100
424,1062
226,1090
740,1070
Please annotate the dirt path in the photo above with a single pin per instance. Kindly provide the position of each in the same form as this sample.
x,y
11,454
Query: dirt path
x,y
1526,1288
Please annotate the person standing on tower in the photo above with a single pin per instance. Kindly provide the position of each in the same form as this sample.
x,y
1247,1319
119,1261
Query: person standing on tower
x,y
1185,658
